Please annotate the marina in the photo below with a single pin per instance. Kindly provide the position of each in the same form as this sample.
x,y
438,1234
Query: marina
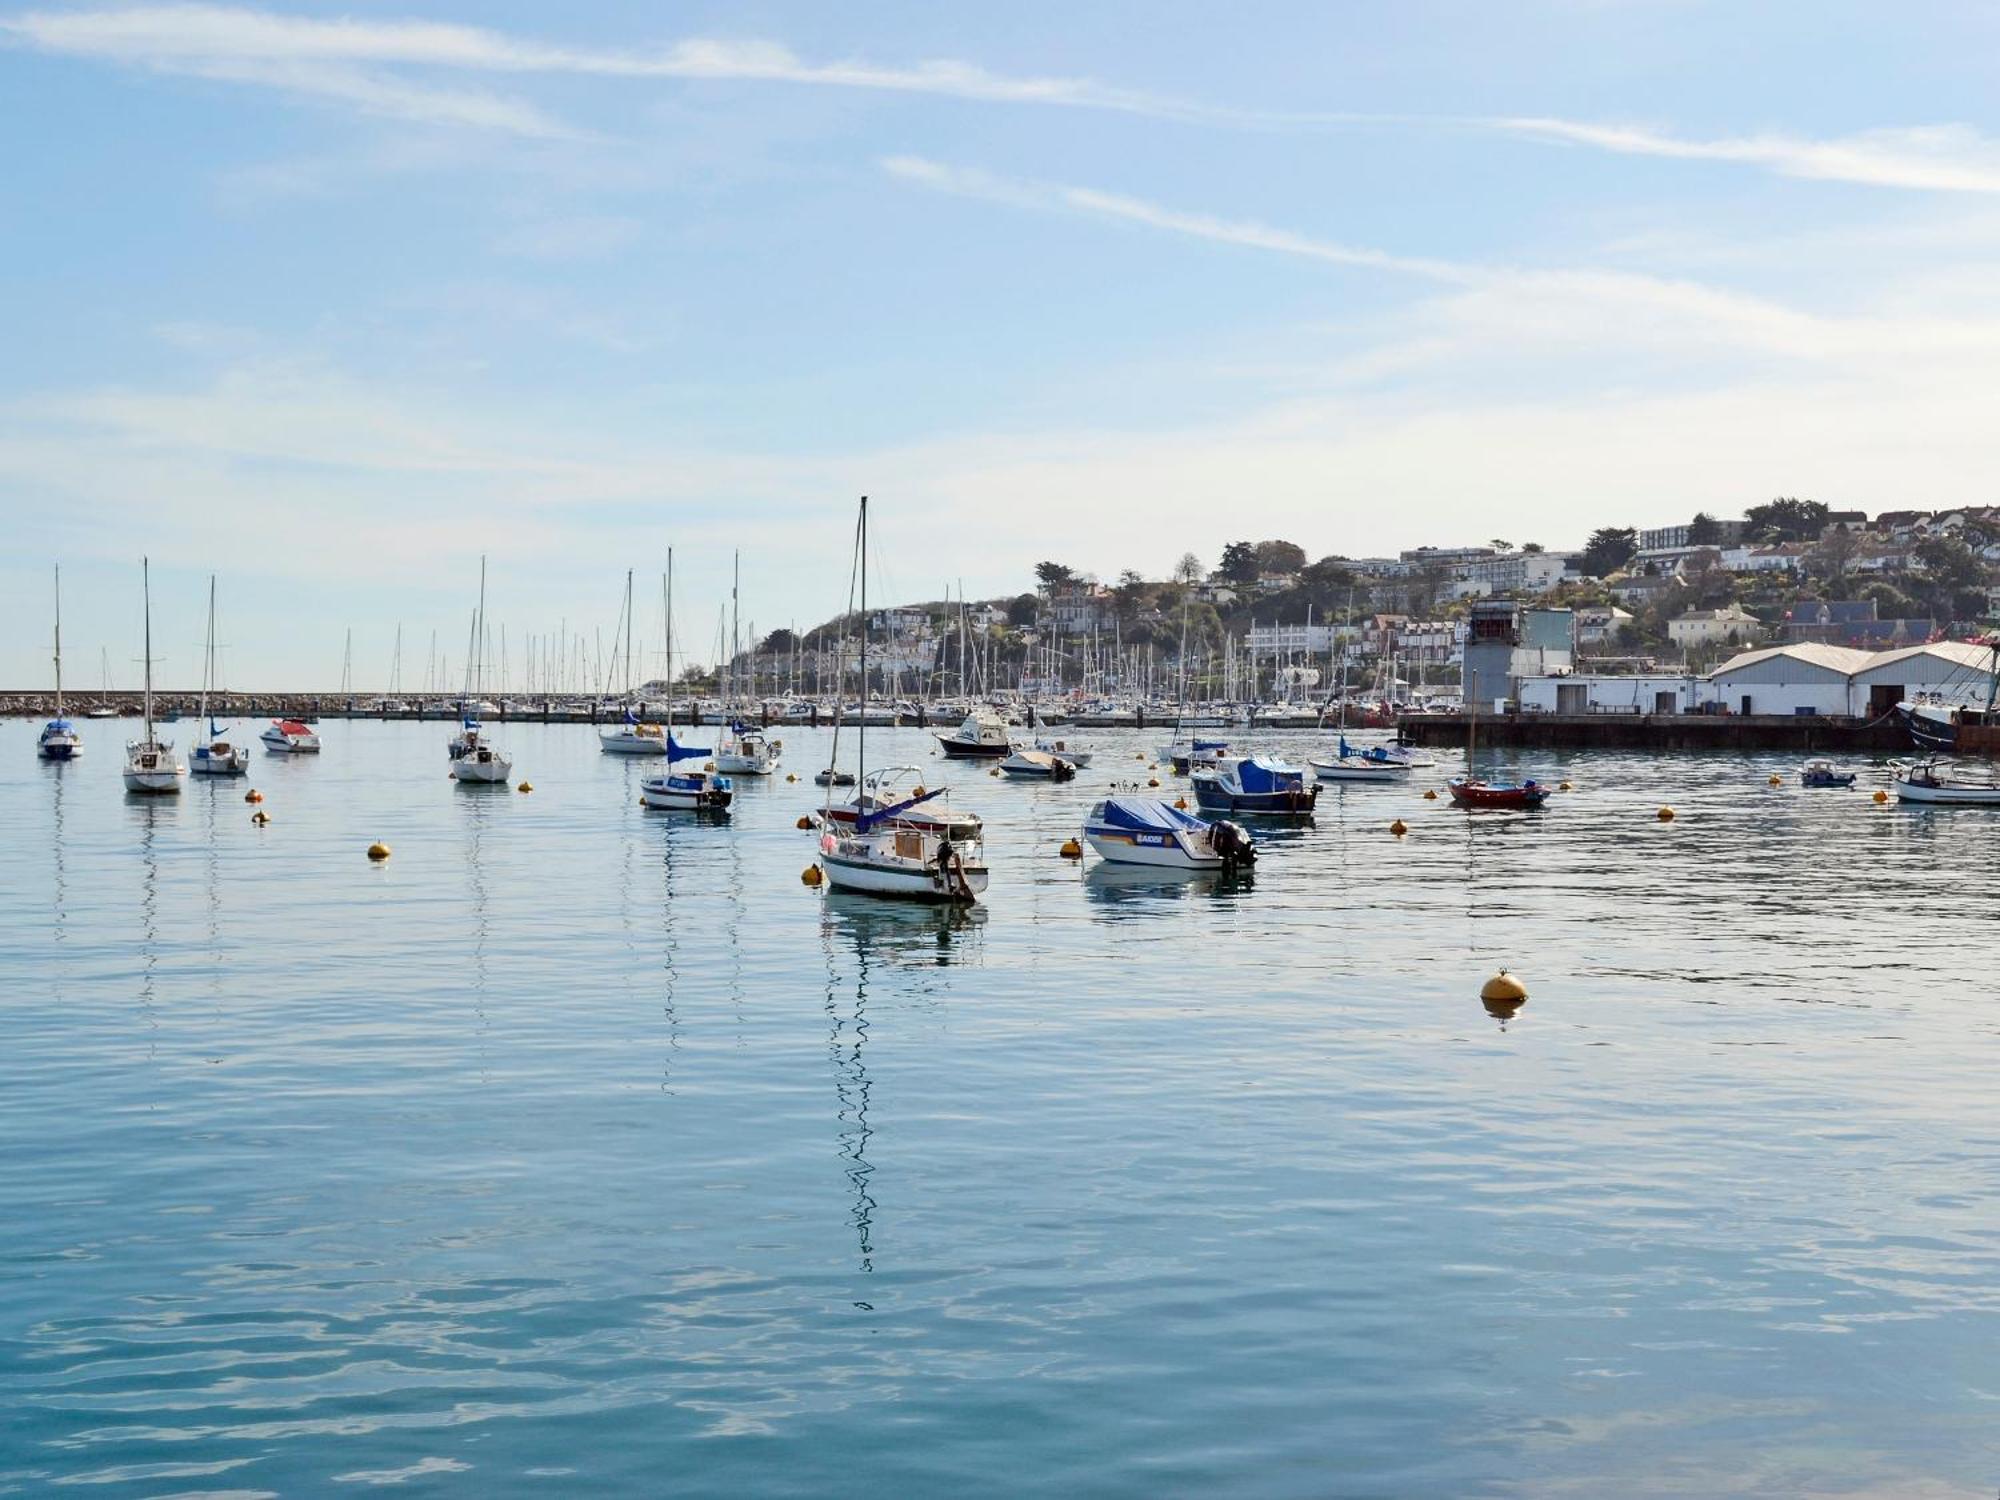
x,y
734,1167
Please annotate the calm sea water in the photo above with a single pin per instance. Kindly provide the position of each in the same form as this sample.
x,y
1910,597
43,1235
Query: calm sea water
x,y
582,1150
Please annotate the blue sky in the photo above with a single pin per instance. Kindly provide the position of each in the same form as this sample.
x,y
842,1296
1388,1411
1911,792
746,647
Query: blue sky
x,y
330,302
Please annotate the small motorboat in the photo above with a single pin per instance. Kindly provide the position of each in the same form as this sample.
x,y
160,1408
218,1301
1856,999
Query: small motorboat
x,y
833,776
1824,773
290,737
1256,786
1037,765
1152,831
1926,782
744,751
982,736
1472,793
59,741
1077,755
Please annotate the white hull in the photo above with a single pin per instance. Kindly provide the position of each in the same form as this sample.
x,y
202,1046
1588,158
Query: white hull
x,y
909,880
745,765
1351,770
59,747
278,744
1950,794
1120,848
232,762
631,744
673,801
472,768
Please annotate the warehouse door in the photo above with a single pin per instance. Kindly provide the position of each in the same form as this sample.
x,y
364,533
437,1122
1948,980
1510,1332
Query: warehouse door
x,y
1883,698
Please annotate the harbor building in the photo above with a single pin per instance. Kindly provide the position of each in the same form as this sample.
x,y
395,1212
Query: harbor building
x,y
1507,644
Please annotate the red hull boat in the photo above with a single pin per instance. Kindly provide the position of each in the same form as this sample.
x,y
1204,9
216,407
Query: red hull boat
x,y
1528,794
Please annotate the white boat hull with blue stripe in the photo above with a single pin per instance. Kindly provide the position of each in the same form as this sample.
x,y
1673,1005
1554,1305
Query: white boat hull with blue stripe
x,y
1151,831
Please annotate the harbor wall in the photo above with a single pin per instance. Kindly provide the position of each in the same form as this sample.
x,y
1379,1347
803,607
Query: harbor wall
x,y
1800,733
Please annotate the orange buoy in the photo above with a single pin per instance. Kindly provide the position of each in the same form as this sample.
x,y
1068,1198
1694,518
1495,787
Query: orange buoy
x,y
805,822
378,851
811,875
1399,828
253,795
1665,815
1071,849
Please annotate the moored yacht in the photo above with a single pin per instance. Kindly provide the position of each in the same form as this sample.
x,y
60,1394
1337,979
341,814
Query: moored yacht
x,y
59,739
1256,785
476,760
1927,782
982,736
1037,765
214,756
150,763
743,750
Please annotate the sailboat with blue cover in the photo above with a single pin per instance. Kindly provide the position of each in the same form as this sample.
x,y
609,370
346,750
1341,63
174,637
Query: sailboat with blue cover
x,y
59,739
1152,831
215,756
697,790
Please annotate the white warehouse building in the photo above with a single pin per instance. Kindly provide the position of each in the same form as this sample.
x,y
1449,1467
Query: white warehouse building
x,y
1802,678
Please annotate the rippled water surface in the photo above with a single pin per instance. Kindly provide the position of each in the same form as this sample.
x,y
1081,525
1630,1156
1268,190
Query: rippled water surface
x,y
580,1149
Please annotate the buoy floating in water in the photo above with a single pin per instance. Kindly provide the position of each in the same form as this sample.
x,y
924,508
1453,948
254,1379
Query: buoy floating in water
x,y
1399,828
1776,779
253,795
260,817
1181,803
1565,787
1503,989
1071,849
792,776
811,875
1665,815
1430,794
378,850
1152,781
1880,795
805,822
526,786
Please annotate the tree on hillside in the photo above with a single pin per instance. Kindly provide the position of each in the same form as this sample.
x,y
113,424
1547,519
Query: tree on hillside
x,y
1786,520
1831,558
1054,575
1022,608
779,643
1280,557
1531,547
1957,577
1130,579
1239,564
1608,550
1328,574
1500,544
1188,569
1704,530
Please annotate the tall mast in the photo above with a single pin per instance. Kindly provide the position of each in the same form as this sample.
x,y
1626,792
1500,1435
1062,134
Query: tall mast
x,y
208,656
630,624
735,638
669,590
861,738
59,702
146,584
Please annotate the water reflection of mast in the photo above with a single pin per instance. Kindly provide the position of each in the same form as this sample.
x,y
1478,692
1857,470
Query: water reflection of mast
x,y
669,971
851,1087
475,876
149,922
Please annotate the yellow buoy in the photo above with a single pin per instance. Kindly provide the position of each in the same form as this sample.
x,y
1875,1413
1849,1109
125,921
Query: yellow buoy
x,y
792,776
917,791
253,795
1140,756
1776,779
1665,815
1152,781
1399,828
260,817
805,822
811,875
378,850
1565,787
1181,803
1430,794
526,786
1503,988
1071,849
1880,795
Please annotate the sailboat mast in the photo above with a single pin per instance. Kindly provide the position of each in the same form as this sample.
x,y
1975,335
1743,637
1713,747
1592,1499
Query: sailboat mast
x,y
735,638
669,593
59,698
208,655
631,626
861,736
146,586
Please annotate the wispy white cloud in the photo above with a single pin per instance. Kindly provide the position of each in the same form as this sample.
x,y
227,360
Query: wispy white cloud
x,y
1935,158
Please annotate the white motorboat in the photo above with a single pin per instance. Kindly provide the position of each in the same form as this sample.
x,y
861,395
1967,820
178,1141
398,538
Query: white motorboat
x,y
290,737
982,736
833,776
633,737
1037,765
150,763
883,850
1353,768
1077,755
476,760
687,791
744,750
215,756
59,739
1925,782
1152,831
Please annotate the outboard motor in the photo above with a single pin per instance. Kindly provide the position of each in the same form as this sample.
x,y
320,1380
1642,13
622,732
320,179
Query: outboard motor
x,y
1060,769
1232,841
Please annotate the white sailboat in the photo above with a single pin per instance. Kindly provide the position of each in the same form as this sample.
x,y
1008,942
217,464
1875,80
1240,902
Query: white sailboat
x,y
215,756
682,791
882,853
476,760
630,737
59,739
150,763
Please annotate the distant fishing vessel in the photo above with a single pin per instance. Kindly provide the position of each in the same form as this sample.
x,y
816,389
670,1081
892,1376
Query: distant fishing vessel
x,y
1935,726
215,756
59,739
1257,785
982,736
1152,831
475,760
884,853
150,763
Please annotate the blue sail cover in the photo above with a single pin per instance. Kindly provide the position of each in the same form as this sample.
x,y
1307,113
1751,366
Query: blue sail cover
x,y
1148,815
1203,745
677,751
868,820
1262,774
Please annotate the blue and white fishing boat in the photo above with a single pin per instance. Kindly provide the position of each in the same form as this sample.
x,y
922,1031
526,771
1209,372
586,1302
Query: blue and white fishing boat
x,y
59,739
1824,773
1152,831
1256,786
215,756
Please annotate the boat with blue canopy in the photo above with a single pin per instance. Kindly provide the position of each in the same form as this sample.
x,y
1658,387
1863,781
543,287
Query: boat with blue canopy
x,y
1152,831
1256,786
687,791
59,739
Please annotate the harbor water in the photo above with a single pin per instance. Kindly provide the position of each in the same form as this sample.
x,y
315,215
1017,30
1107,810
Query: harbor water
x,y
582,1149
